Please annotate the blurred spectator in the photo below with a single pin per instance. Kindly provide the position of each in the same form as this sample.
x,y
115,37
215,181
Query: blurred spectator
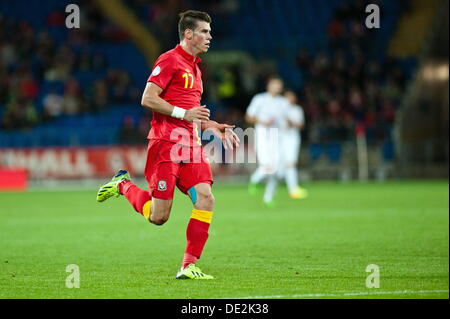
x,y
8,54
98,61
99,95
28,87
53,105
87,61
144,125
129,134
20,114
71,98
391,90
121,88
56,18
303,60
227,87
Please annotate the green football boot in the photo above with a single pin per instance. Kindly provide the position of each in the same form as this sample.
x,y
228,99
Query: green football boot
x,y
192,272
112,188
299,193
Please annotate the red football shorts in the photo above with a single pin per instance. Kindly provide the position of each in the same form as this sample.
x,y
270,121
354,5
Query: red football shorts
x,y
169,165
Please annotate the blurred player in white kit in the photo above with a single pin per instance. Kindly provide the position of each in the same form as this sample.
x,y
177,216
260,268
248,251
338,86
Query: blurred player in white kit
x,y
290,145
268,112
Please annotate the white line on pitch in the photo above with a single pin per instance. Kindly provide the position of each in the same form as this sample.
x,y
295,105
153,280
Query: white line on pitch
x,y
346,294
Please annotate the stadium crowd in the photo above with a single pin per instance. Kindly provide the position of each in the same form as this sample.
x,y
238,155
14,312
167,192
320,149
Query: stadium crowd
x,y
349,87
31,58
344,85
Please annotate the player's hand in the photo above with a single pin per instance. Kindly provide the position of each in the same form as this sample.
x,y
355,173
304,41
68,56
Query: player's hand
x,y
197,114
230,139
226,134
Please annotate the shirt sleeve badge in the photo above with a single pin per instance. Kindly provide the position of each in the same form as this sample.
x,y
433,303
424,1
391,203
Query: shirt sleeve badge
x,y
156,71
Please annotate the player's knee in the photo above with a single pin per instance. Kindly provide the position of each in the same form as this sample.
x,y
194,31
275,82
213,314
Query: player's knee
x,y
210,200
158,220
206,201
160,211
159,217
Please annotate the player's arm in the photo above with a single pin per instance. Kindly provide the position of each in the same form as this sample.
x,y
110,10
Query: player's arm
x,y
296,125
252,110
250,119
297,119
152,101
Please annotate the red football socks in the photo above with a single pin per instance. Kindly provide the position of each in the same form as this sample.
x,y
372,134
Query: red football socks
x,y
135,195
196,235
188,259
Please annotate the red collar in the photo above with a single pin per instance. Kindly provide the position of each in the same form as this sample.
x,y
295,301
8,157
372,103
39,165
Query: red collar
x,y
188,56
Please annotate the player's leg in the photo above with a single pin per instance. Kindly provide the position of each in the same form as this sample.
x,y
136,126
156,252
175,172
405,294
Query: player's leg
x,y
197,231
272,163
160,173
264,158
258,175
111,189
160,211
195,180
162,180
121,184
139,198
155,210
291,178
295,191
271,187
204,197
290,167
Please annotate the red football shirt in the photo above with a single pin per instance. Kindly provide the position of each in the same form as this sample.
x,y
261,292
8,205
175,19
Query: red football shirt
x,y
176,72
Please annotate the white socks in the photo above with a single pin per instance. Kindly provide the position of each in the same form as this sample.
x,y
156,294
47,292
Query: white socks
x,y
291,179
271,187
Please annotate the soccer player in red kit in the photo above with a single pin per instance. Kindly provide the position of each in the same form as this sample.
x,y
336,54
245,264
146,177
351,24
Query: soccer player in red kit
x,y
175,154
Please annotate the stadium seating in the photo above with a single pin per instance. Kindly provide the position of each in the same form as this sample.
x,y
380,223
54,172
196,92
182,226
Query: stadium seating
x,y
333,152
84,129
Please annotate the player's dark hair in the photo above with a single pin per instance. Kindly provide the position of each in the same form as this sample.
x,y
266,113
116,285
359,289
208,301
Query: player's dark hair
x,y
188,20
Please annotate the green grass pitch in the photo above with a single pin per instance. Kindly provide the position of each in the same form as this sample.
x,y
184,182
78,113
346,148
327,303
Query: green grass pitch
x,y
314,248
